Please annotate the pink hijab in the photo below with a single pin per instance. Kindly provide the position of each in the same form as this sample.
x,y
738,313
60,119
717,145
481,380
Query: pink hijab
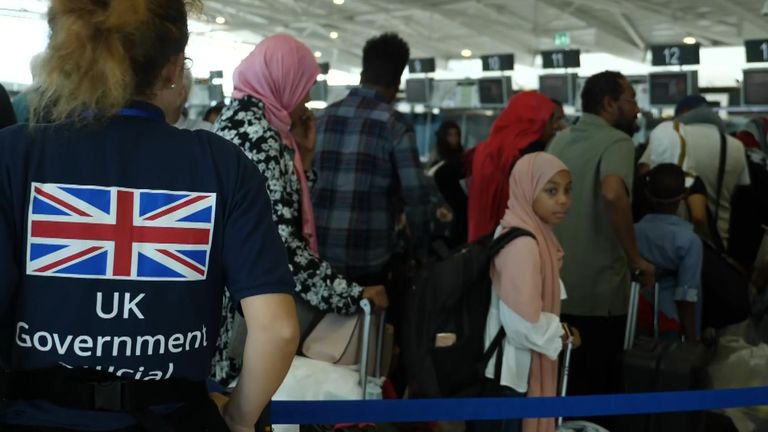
x,y
279,72
526,292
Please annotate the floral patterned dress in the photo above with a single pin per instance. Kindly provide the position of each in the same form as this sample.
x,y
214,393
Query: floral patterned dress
x,y
243,122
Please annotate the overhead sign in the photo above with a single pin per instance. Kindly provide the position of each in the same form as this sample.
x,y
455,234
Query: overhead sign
x,y
498,62
674,55
422,65
757,50
561,59
562,39
324,68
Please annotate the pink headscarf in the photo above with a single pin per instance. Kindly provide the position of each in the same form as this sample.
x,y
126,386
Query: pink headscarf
x,y
530,293
280,71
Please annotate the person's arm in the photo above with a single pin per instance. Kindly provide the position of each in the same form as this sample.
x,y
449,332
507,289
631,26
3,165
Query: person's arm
x,y
619,209
315,280
414,186
744,178
644,164
697,206
448,179
258,277
687,313
689,286
520,289
617,173
273,336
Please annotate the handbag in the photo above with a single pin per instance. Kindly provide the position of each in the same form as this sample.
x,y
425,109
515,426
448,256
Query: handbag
x,y
338,339
335,339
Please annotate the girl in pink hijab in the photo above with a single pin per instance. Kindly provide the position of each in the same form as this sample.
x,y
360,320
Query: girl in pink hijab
x,y
269,121
526,287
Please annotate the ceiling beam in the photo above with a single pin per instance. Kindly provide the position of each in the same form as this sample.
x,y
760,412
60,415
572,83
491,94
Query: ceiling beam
x,y
745,16
631,31
674,18
618,45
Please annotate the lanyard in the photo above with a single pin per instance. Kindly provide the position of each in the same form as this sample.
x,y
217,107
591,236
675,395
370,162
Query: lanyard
x,y
143,113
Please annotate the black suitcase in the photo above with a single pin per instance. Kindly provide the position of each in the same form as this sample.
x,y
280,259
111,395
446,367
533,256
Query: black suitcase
x,y
653,365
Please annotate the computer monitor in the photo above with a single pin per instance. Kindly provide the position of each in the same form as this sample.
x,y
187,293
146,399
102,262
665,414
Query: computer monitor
x,y
755,87
559,86
667,88
418,90
494,91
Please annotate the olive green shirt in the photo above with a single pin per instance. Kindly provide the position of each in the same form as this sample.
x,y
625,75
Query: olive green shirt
x,y
595,270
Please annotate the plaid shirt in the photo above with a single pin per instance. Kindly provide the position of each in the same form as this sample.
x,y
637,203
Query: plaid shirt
x,y
368,171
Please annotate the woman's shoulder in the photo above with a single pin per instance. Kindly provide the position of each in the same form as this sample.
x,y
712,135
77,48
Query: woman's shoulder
x,y
519,245
244,120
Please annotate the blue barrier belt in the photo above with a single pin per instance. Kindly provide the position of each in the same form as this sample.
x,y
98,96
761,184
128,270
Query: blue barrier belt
x,y
421,410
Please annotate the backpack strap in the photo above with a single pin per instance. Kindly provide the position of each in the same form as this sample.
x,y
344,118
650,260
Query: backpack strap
x,y
504,239
720,178
683,144
497,245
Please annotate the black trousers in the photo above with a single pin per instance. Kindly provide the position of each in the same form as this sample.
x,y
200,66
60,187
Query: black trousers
x,y
596,365
396,279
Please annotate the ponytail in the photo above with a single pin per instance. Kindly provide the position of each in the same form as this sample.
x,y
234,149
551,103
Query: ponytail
x,y
102,53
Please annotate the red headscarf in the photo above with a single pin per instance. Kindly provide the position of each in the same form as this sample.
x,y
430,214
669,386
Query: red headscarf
x,y
521,124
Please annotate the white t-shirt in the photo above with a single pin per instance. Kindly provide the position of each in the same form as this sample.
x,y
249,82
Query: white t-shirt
x,y
702,159
522,338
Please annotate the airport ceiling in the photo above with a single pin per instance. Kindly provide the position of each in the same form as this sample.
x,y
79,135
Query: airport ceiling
x,y
443,28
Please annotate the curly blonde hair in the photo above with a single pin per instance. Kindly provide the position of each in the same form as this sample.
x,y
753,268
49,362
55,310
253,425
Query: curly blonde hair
x,y
102,53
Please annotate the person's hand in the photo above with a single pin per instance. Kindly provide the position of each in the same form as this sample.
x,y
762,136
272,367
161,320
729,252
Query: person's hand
x,y
573,334
378,294
220,400
444,214
305,133
646,273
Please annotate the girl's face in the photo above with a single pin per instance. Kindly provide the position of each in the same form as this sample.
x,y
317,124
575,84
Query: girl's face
x,y
554,200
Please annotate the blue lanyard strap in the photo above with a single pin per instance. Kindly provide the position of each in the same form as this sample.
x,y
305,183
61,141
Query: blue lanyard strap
x,y
143,113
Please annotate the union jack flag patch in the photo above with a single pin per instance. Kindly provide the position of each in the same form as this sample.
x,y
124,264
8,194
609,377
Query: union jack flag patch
x,y
95,232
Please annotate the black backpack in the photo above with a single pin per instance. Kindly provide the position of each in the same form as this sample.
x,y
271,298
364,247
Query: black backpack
x,y
451,297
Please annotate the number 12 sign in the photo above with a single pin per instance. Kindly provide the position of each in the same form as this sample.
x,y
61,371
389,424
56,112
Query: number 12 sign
x,y
757,50
674,55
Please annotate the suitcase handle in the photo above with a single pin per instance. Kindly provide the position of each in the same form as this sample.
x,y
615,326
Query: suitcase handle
x,y
566,369
634,302
367,306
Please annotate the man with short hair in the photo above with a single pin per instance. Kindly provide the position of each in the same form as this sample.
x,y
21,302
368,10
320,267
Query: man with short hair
x,y
598,236
368,168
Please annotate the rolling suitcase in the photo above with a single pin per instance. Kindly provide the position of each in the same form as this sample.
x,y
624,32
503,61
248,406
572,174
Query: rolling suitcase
x,y
655,365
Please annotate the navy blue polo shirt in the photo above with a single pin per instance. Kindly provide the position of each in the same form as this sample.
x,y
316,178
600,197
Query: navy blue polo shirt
x,y
116,242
